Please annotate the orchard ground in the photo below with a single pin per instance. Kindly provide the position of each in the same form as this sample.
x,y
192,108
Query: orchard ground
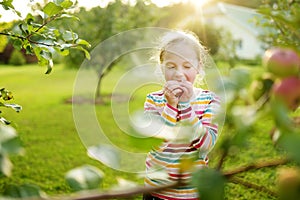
x,y
53,147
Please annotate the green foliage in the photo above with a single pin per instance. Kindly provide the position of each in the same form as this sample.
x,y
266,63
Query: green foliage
x,y
9,141
39,38
210,184
6,95
10,144
251,4
16,58
23,191
281,23
7,5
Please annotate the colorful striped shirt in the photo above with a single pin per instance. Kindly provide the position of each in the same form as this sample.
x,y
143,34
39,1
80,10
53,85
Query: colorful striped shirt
x,y
198,115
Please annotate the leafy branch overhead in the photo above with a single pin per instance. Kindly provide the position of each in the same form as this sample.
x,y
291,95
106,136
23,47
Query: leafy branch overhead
x,y
36,36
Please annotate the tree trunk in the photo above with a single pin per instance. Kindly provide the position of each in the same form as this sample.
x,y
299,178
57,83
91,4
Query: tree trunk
x,y
98,89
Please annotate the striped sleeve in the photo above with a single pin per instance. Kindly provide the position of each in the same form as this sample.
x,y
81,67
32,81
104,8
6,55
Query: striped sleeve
x,y
155,104
202,120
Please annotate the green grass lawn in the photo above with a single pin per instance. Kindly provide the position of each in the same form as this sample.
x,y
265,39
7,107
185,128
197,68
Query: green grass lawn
x,y
47,130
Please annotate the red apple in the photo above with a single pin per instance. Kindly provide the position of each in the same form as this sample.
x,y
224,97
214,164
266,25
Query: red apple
x,y
282,62
288,91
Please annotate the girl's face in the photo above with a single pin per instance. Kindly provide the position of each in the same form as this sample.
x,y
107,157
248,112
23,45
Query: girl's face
x,y
180,63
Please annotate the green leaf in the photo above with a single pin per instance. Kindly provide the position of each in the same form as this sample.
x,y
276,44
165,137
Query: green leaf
x,y
16,107
46,54
56,32
240,76
5,165
24,29
281,116
86,53
49,66
7,133
86,177
83,42
210,184
69,36
52,9
106,154
290,142
66,4
4,121
23,191
68,16
17,43
5,95
62,51
123,185
12,146
29,18
7,5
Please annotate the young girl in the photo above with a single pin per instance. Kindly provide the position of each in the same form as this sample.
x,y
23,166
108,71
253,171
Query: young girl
x,y
179,103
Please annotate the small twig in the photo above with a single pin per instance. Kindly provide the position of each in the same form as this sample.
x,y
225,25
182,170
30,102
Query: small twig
x,y
44,24
257,165
222,159
26,38
252,185
12,35
31,41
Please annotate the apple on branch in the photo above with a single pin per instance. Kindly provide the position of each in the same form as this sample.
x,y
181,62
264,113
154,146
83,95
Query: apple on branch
x,y
287,90
282,62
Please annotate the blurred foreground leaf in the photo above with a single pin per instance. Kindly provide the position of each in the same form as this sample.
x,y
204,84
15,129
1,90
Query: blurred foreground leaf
x,y
210,184
106,154
85,177
23,191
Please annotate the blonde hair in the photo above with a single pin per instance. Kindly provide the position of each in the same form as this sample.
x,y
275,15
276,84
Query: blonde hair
x,y
188,37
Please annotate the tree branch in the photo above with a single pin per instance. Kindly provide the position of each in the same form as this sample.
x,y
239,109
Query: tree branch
x,y
31,41
253,186
222,159
44,24
126,193
257,165
12,35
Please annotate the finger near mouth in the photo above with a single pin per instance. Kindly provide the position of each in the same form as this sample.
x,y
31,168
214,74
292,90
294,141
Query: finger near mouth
x,y
177,92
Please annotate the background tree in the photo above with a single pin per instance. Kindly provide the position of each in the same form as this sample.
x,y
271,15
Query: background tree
x,y
281,23
103,23
227,48
207,33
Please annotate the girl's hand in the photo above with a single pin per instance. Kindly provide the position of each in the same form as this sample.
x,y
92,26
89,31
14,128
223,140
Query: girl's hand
x,y
188,92
173,91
